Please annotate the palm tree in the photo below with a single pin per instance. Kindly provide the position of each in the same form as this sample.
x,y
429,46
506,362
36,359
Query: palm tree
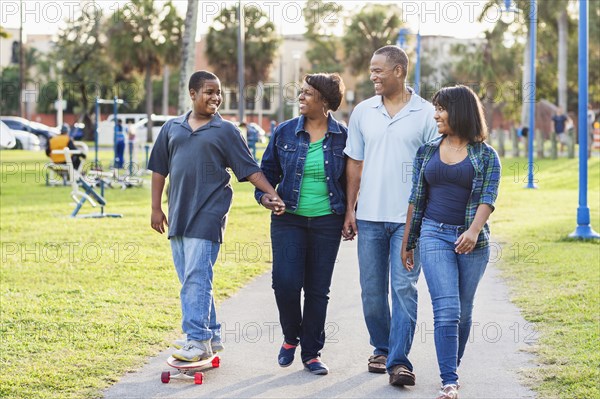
x,y
189,52
142,38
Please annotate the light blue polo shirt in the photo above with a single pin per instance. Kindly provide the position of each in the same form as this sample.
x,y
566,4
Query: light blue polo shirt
x,y
388,147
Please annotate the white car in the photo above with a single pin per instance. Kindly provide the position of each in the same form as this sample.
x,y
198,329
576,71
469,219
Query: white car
x,y
7,138
140,128
23,140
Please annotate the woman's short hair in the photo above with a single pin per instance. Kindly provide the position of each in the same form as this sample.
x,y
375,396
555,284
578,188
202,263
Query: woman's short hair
x,y
330,86
465,112
198,78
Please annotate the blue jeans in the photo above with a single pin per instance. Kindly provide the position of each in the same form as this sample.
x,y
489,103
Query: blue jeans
x,y
452,280
304,254
194,260
380,261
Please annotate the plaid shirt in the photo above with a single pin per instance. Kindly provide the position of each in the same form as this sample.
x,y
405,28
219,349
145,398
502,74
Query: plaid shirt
x,y
484,190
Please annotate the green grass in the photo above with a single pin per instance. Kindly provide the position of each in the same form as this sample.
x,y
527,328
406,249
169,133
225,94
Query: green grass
x,y
554,280
85,300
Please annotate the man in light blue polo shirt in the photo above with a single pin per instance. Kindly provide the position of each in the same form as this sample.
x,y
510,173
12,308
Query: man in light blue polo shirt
x,y
384,134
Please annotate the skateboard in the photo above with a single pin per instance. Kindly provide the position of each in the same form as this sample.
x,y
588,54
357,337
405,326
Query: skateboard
x,y
189,371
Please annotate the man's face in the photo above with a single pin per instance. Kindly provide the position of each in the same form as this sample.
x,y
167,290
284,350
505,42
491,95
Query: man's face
x,y
385,77
207,99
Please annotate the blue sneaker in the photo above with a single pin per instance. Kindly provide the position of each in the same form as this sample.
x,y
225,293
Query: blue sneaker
x,y
286,356
316,366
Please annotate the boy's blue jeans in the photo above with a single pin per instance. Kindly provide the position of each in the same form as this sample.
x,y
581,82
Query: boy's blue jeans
x,y
304,254
452,280
380,260
194,259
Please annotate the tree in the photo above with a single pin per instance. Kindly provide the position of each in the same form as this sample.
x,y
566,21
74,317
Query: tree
x,y
260,46
188,55
142,38
373,27
86,68
321,20
4,34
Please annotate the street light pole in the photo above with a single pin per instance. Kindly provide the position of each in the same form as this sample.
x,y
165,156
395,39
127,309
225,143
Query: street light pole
x,y
241,66
401,42
584,228
532,39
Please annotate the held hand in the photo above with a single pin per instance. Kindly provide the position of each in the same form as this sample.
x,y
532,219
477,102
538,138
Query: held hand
x,y
349,230
408,258
158,220
466,242
273,203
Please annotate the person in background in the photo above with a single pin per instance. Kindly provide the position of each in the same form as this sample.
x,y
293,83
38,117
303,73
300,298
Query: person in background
x,y
560,121
61,142
305,160
455,186
119,145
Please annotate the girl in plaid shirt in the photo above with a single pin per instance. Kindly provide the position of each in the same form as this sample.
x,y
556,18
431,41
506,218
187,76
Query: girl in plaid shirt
x,y
455,185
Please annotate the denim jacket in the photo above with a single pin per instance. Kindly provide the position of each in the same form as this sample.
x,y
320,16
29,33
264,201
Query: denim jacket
x,y
484,190
284,158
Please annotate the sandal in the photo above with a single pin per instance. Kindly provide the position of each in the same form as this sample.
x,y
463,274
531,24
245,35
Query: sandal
x,y
401,376
449,391
377,364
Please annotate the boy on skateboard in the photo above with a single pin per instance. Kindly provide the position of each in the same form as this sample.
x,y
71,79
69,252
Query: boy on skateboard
x,y
195,150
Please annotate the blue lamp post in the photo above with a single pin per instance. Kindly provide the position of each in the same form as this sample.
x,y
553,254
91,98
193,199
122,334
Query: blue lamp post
x,y
532,97
402,44
584,228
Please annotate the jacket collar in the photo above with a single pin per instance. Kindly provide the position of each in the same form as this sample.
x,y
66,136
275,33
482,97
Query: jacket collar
x,y
333,126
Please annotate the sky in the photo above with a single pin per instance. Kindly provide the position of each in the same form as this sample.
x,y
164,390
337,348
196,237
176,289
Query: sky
x,y
432,17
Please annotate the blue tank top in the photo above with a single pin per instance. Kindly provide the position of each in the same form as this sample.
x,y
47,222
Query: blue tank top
x,y
448,189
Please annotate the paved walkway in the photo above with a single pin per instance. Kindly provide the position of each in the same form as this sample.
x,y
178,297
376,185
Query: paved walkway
x,y
252,337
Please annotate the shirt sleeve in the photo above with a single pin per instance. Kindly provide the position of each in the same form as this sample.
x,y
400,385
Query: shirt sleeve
x,y
238,156
270,165
491,179
159,157
355,145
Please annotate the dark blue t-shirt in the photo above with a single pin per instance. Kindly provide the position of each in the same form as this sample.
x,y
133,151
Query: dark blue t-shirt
x,y
196,162
559,123
448,190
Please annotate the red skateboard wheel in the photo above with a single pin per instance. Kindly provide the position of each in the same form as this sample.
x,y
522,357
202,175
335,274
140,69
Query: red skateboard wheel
x,y
165,377
198,378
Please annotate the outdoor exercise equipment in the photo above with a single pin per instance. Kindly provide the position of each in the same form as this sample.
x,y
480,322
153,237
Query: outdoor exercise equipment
x,y
88,193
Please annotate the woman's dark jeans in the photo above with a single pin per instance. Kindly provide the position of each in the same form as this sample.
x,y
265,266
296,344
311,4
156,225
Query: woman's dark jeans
x,y
304,254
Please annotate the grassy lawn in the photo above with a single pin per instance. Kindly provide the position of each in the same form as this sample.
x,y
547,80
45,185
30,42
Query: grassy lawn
x,y
554,280
85,300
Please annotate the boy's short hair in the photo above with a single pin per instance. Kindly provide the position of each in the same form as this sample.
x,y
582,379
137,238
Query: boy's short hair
x,y
198,78
330,86
465,112
394,55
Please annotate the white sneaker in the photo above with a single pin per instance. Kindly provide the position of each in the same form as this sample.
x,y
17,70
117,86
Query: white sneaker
x,y
216,345
194,351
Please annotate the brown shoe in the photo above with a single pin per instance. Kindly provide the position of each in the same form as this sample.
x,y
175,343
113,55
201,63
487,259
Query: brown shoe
x,y
401,376
377,364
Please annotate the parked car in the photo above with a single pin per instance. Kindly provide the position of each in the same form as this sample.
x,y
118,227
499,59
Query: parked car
x,y
140,128
106,128
24,140
43,132
7,138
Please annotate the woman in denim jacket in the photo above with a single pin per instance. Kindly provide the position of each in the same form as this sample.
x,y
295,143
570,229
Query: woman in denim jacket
x,y
305,161
455,185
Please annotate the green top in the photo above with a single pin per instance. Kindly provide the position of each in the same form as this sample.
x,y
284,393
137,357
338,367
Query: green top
x,y
314,195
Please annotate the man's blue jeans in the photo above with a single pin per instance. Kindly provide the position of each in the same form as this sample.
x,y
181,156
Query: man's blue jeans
x,y
304,254
452,280
194,260
380,261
